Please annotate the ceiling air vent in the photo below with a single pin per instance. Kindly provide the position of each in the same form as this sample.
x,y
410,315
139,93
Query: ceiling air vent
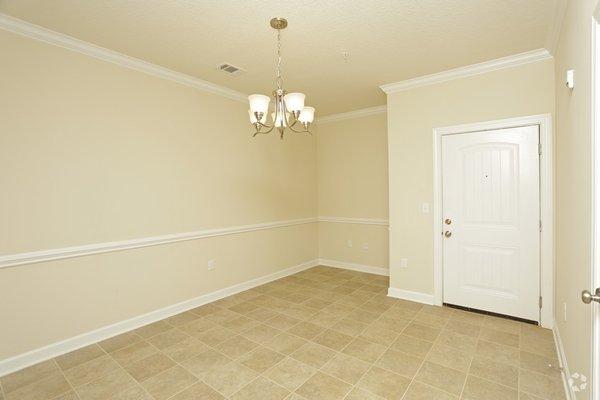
x,y
230,69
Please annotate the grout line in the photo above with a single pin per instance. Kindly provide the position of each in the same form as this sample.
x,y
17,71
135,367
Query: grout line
x,y
66,379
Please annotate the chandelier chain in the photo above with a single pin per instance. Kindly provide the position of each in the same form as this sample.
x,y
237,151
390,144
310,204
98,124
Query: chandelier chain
x,y
279,78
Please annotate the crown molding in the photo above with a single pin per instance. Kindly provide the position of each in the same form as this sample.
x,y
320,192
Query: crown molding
x,y
469,70
555,25
36,32
12,260
364,112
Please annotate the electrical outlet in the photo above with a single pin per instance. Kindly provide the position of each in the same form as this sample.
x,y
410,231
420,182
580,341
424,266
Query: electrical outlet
x,y
425,208
404,263
565,312
366,246
349,243
211,265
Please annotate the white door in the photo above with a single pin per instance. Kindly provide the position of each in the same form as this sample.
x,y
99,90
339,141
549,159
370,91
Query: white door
x,y
491,211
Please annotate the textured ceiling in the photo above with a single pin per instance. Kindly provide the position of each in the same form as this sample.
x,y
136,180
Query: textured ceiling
x,y
387,41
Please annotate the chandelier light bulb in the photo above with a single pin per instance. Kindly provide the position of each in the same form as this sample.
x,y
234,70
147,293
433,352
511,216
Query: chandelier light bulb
x,y
278,120
307,115
259,103
294,101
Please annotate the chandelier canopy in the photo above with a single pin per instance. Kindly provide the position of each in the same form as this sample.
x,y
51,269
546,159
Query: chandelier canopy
x,y
289,110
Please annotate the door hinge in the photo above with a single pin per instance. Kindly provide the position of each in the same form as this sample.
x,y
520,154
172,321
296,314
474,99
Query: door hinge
x,y
540,149
541,302
540,225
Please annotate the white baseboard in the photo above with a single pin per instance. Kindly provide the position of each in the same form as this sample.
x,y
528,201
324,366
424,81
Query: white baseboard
x,y
418,297
355,267
562,359
44,353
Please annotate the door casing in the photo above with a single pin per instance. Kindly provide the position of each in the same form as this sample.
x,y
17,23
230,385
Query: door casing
x,y
544,121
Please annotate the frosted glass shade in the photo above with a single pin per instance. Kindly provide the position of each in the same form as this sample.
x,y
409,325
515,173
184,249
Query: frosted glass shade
x,y
294,101
280,120
253,117
307,115
259,103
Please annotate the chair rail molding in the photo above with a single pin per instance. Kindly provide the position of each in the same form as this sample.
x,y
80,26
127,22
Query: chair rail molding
x,y
36,32
351,220
12,260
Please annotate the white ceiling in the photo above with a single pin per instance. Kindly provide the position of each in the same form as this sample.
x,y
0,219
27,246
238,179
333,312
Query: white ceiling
x,y
387,41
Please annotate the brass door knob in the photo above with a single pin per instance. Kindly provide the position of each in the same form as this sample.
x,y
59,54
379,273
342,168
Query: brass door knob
x,y
447,234
447,221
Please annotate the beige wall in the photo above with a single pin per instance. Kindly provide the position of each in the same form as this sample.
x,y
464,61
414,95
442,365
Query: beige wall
x,y
412,116
353,183
92,152
573,185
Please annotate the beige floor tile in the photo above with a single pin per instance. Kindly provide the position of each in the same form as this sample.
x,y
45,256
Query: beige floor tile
x,y
90,370
325,319
349,327
221,316
462,327
458,341
261,334
182,318
379,335
244,308
539,363
536,332
152,329
313,354
261,389
260,359
290,373
305,330
364,350
323,387
198,391
346,368
213,337
204,363
133,393
230,378
236,347
527,396
70,395
240,324
119,341
500,337
537,346
316,303
502,324
442,312
106,387
411,345
49,387
261,314
400,313
285,343
467,316
299,312
497,352
339,309
205,310
149,367
333,339
384,383
421,331
360,394
168,338
421,391
133,353
547,387
197,327
447,379
504,374
169,382
400,363
282,322
28,375
449,357
481,389
389,323
363,316
430,319
80,356
185,349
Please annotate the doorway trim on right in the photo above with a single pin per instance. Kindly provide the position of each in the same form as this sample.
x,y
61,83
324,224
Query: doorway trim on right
x,y
544,121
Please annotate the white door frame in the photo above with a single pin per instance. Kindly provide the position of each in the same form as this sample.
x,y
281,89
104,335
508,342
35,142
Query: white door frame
x,y
544,121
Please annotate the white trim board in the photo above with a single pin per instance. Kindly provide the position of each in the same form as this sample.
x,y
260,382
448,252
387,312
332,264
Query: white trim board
x,y
12,260
469,70
355,267
44,353
36,32
418,297
364,112
350,220
544,121
562,359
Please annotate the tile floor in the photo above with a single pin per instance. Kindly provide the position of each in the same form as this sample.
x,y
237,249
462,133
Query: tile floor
x,y
321,334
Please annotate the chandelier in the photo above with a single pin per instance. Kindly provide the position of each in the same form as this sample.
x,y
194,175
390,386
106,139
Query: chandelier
x,y
289,111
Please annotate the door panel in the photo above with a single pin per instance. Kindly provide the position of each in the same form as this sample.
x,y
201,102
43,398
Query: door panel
x,y
491,196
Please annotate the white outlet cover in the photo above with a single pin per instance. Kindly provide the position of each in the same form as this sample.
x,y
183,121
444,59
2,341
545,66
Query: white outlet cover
x,y
425,208
365,246
211,265
404,262
349,242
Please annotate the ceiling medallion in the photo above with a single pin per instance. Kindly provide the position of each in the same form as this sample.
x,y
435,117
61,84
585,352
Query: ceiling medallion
x,y
290,111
